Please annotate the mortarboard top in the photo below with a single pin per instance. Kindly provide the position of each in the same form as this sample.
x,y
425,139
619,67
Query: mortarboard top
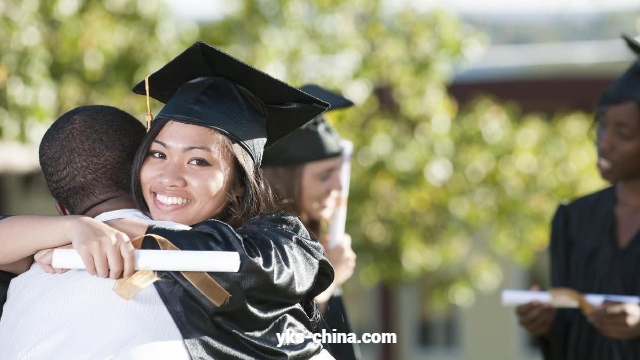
x,y
627,86
316,140
205,86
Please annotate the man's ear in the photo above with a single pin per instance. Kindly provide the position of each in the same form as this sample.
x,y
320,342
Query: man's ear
x,y
60,208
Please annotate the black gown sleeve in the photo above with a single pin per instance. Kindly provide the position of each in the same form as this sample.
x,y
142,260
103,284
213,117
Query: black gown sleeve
x,y
275,249
281,270
553,345
335,320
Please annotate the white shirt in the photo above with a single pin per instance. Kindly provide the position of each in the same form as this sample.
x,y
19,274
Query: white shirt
x,y
78,316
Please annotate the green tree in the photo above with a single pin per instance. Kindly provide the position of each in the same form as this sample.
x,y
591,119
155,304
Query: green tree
x,y
56,55
483,190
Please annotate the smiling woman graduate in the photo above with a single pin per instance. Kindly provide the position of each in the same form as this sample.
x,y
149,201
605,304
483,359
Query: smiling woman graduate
x,y
595,242
199,165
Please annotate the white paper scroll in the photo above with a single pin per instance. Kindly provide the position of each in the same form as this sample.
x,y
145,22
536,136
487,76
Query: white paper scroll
x,y
522,297
339,220
162,260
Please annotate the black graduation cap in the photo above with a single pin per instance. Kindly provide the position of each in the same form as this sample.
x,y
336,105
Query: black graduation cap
x,y
316,140
627,86
206,86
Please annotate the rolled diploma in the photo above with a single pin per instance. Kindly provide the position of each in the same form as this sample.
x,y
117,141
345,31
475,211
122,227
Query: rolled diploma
x,y
521,297
339,220
162,260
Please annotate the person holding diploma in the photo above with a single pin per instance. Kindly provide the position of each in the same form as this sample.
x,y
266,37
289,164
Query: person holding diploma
x,y
199,165
595,242
303,169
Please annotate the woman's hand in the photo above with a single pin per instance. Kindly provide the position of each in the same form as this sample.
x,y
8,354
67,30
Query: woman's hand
x,y
617,320
104,250
342,258
536,317
44,259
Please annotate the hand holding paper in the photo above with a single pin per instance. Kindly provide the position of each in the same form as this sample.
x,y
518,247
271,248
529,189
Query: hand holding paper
x,y
343,259
617,320
563,298
536,317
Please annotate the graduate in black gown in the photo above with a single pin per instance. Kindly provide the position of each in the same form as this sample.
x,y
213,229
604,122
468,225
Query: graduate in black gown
x,y
303,169
282,269
199,165
595,242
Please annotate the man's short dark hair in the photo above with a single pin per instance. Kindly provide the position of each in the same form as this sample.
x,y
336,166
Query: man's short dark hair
x,y
86,156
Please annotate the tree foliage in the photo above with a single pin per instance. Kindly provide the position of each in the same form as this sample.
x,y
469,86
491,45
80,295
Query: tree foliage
x,y
56,55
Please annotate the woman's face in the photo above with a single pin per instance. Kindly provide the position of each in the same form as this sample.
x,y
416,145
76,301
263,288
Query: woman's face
x,y
320,188
619,142
187,174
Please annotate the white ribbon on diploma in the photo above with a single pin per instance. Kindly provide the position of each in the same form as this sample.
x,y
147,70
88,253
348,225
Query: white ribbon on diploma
x,y
162,260
339,220
522,297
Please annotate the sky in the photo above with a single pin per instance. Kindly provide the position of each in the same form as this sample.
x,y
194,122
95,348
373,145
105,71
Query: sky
x,y
199,9
527,6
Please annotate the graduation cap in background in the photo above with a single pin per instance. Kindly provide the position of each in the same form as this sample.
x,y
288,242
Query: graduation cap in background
x,y
627,86
316,140
205,86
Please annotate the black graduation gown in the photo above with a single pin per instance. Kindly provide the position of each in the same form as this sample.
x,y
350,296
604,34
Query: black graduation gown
x,y
335,318
282,270
585,257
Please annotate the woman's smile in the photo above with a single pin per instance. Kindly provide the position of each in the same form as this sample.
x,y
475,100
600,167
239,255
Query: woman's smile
x,y
170,202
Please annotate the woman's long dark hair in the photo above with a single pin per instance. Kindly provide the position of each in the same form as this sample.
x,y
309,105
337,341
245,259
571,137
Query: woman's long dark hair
x,y
286,184
256,198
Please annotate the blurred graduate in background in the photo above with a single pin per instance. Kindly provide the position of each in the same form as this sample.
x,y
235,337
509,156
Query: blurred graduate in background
x,y
303,170
595,241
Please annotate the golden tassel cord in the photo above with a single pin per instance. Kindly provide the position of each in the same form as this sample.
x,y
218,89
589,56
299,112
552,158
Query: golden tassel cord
x,y
207,286
149,114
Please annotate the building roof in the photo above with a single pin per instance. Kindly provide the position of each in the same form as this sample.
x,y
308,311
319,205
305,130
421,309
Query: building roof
x,y
546,76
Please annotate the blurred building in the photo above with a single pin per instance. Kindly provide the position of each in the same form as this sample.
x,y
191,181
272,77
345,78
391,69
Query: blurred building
x,y
22,186
546,77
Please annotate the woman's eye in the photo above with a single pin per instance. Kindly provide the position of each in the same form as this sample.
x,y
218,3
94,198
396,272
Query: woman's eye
x,y
624,135
199,162
156,154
